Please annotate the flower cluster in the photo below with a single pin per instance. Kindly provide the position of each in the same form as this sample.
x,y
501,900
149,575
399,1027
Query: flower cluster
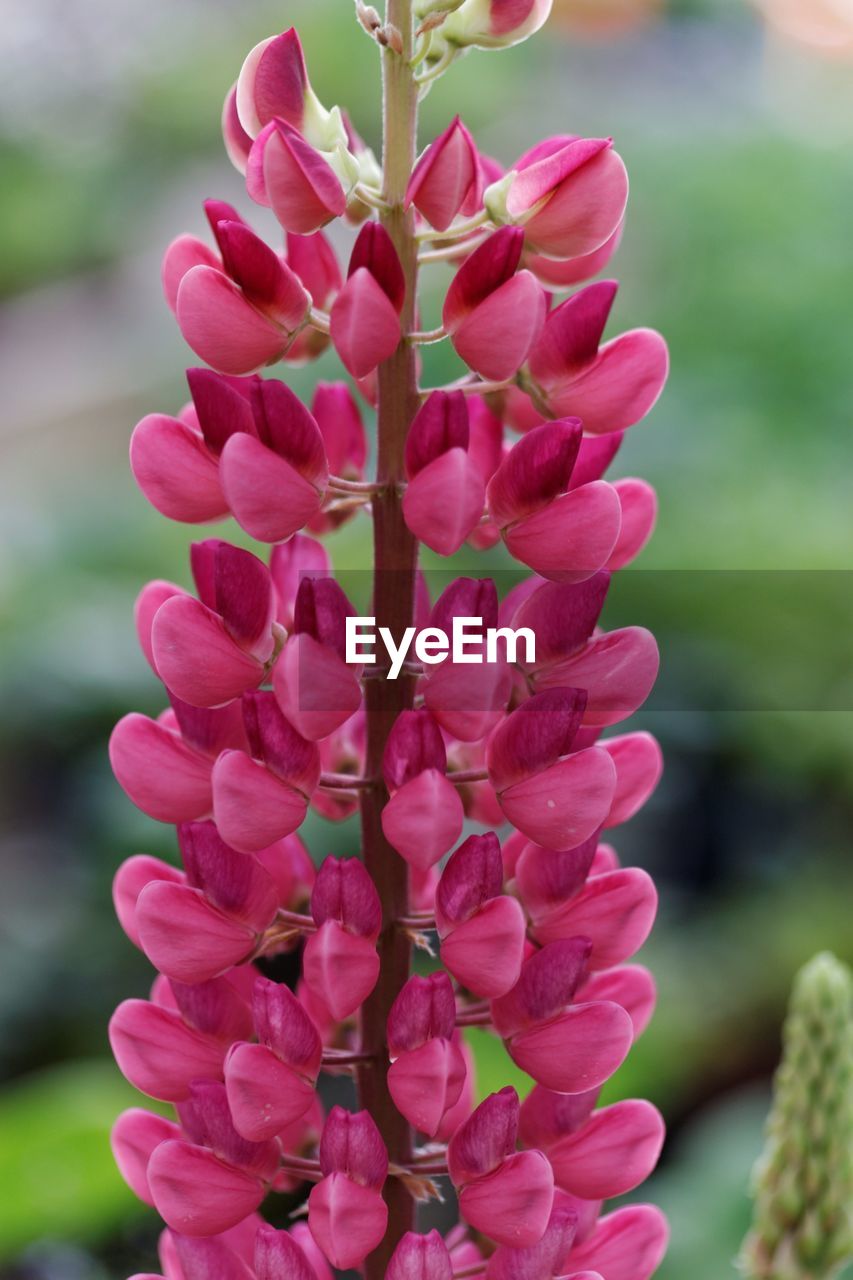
x,y
486,792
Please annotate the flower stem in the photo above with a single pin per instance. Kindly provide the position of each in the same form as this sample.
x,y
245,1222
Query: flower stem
x,y
395,562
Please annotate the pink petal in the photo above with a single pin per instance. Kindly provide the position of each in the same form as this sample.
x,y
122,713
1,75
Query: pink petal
x,y
572,538
158,1053
279,1253
491,265
535,471
413,745
374,250
266,281
440,424
162,775
576,1051
426,1082
468,700
364,325
620,387
547,985
423,819
264,1094
612,1153
585,209
617,670
344,892
268,497
181,256
425,1009
443,176
185,937
639,765
615,911
444,502
130,879
639,514
340,967
563,616
545,879
626,1245
472,877
253,808
315,689
346,1219
175,470
484,953
135,1135
196,1193
631,985
272,82
562,273
238,144
564,805
195,656
420,1257
534,736
489,1135
145,607
570,340
303,190
495,337
225,330
513,1204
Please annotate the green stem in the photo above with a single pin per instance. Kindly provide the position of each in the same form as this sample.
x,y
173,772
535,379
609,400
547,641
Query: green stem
x,y
395,564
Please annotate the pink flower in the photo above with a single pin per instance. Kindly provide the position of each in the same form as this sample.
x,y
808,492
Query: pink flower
x,y
504,1193
316,689
495,24
424,815
271,1084
608,387
365,318
481,929
286,173
340,961
447,178
568,193
492,311
445,495
428,1070
346,1212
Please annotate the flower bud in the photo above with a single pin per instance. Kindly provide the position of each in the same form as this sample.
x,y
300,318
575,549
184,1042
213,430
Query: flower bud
x,y
446,179
365,318
494,24
346,1212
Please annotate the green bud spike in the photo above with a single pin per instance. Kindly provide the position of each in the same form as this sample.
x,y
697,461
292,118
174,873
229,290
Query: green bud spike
x,y
802,1226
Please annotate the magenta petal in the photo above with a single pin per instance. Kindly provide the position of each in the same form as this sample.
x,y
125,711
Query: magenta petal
x,y
639,514
490,1133
253,807
620,387
472,877
158,1053
196,1193
225,330
425,1009
571,538
444,502
279,1253
315,689
340,968
420,1257
615,911
135,1135
195,656
181,256
585,208
426,1082
534,736
305,193
617,669
185,937
413,745
346,1219
576,1051
626,1245
562,273
495,337
364,324
264,1094
145,607
423,819
345,892
513,1204
562,806
268,497
639,765
238,144
534,471
484,953
481,274
175,470
443,175
162,776
630,985
273,82
441,423
612,1153
129,881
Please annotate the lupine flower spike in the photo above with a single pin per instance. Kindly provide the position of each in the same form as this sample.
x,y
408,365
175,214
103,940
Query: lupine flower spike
x,y
802,1224
486,770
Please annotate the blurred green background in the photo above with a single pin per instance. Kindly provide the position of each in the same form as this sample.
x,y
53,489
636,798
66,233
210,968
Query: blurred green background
x,y
738,138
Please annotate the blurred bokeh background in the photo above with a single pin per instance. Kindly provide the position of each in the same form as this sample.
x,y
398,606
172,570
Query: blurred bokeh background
x,y
737,124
